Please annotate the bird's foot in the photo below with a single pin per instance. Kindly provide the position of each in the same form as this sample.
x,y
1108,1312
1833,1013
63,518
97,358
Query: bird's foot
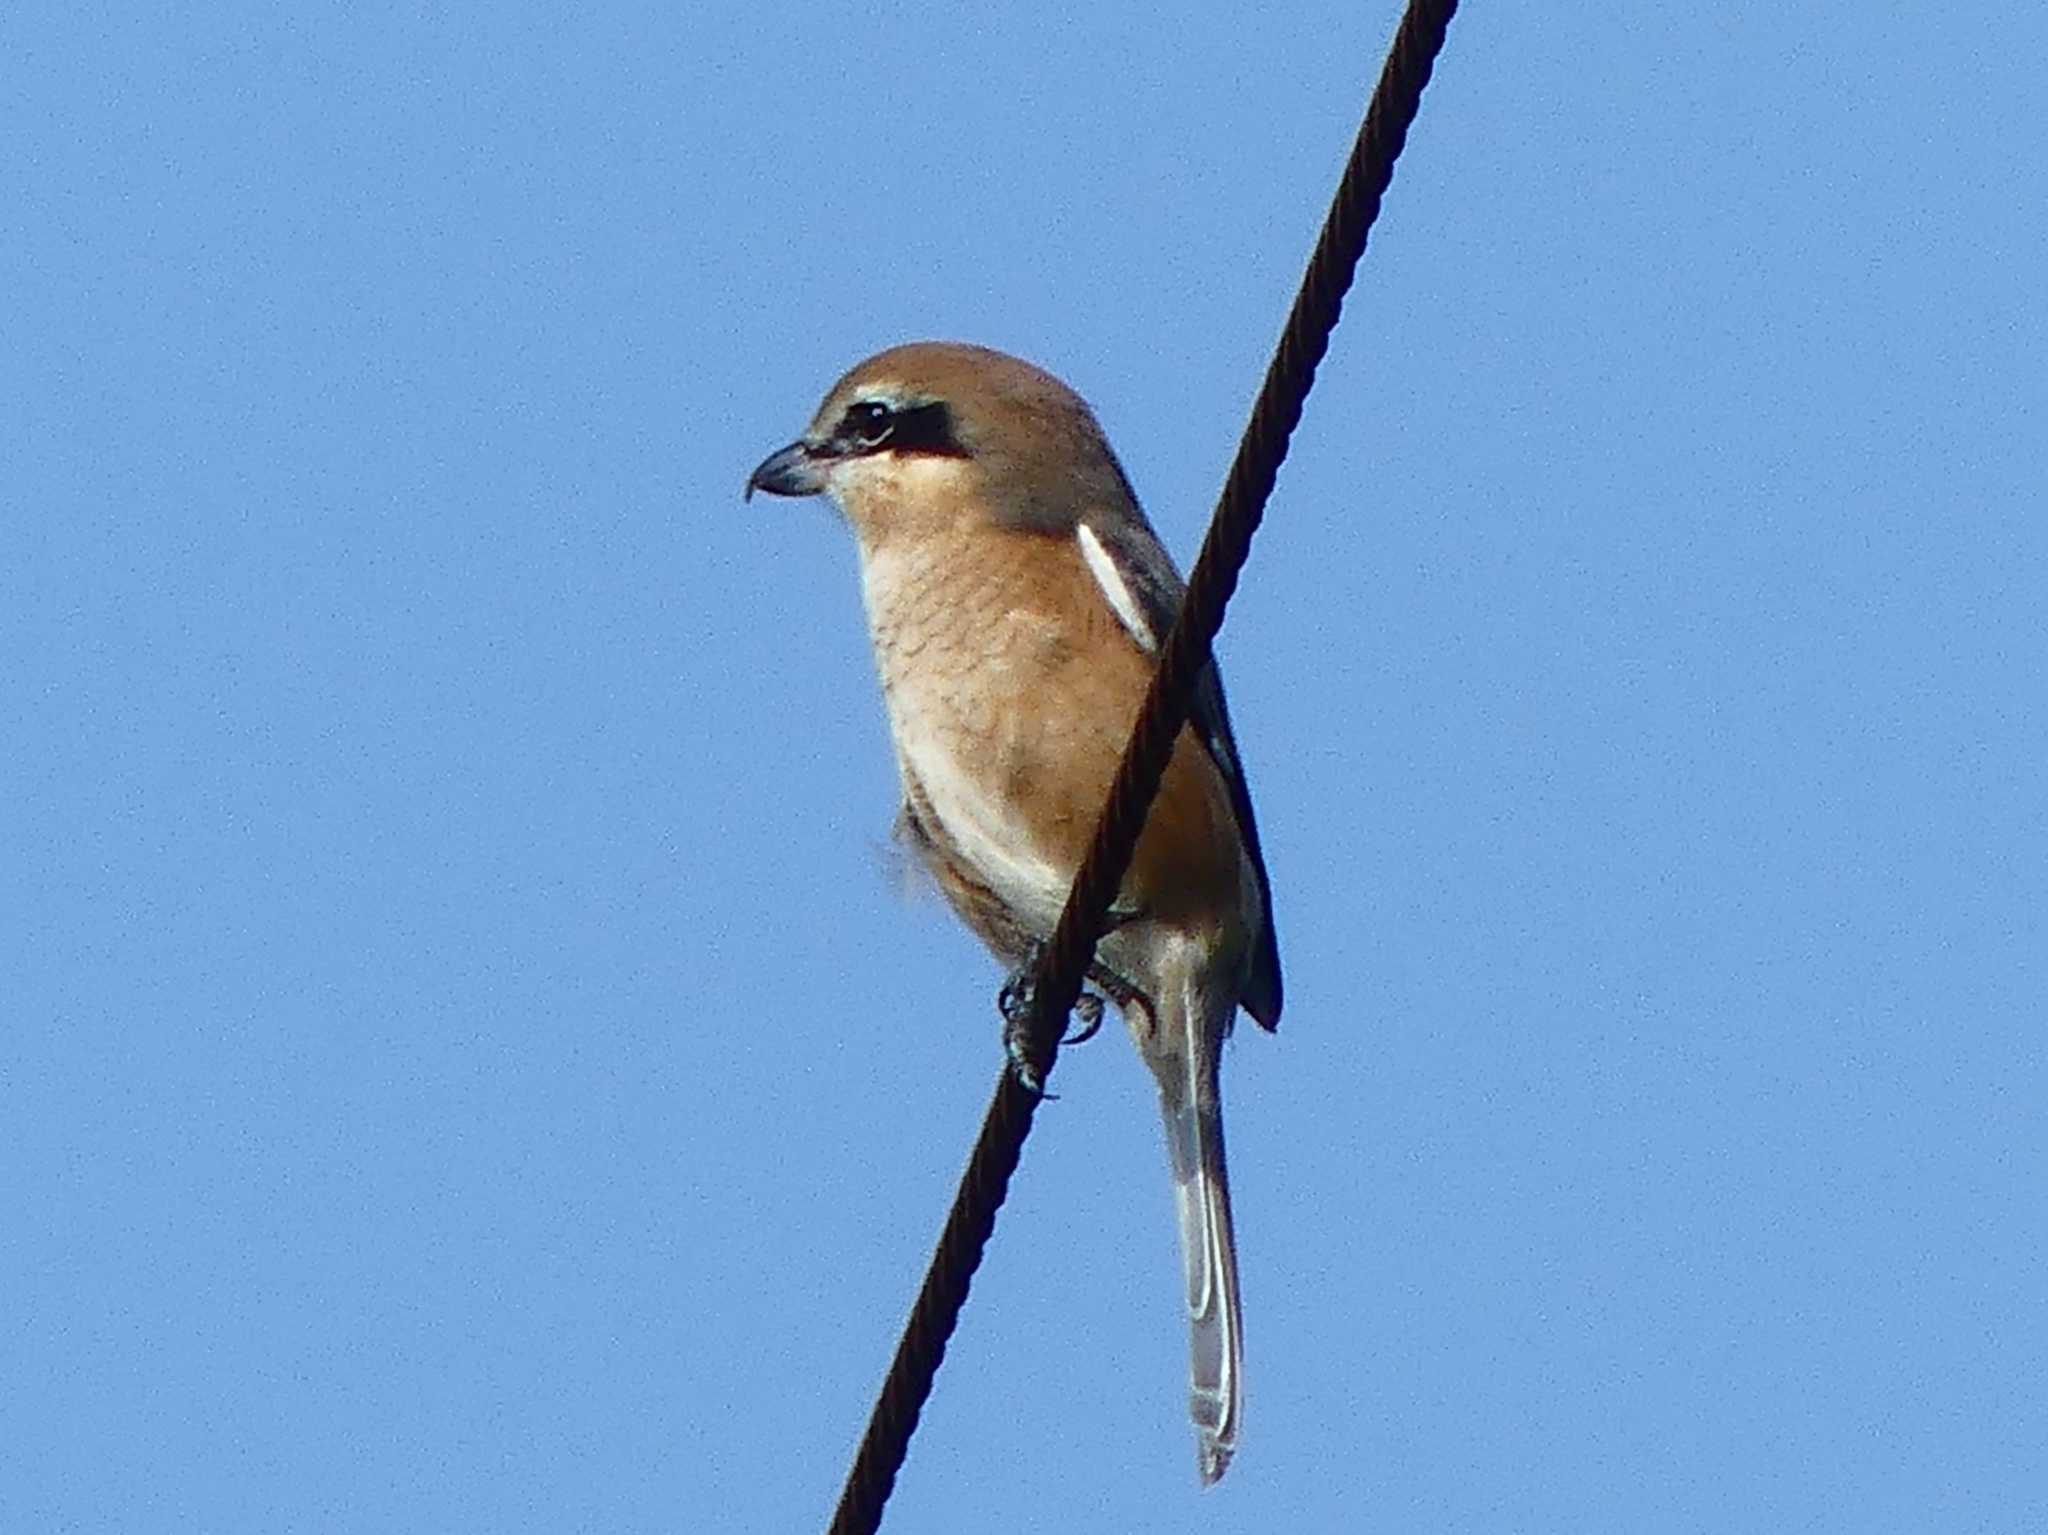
x,y
1014,1003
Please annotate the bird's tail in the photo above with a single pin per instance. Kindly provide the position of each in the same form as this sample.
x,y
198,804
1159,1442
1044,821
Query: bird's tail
x,y
1184,1054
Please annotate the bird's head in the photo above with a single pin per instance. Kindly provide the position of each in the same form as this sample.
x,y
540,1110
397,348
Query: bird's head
x,y
938,429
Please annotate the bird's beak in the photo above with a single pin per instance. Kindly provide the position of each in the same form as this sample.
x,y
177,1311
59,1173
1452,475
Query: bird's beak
x,y
797,470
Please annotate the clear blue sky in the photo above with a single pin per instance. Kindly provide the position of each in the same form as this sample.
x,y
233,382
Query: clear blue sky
x,y
471,1058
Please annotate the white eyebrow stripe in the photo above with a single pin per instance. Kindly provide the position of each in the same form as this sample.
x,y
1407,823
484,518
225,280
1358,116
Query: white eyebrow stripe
x,y
1103,567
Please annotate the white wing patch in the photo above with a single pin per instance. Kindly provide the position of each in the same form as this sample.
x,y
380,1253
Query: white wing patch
x,y
1103,567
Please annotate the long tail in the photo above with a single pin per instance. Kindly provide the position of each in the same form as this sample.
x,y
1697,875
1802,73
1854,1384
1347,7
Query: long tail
x,y
1185,1052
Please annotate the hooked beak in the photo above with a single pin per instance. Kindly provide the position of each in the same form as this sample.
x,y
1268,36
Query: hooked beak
x,y
797,470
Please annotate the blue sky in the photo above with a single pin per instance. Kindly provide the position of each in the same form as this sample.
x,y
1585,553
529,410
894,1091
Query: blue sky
x,y
472,1060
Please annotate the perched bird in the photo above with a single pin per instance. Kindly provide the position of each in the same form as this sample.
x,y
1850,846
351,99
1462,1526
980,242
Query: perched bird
x,y
1017,598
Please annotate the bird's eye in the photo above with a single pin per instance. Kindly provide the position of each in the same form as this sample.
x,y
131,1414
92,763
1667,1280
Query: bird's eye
x,y
869,423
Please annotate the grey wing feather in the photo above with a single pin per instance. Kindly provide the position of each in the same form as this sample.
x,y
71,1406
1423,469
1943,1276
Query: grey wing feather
x,y
1156,590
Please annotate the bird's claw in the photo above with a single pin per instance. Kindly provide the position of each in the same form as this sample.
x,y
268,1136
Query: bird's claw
x,y
1014,1003
1087,1008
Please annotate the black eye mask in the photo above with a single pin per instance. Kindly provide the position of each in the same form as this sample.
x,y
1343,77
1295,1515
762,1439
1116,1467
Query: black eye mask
x,y
870,426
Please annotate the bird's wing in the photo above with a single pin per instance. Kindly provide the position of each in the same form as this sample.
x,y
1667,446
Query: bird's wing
x,y
1143,589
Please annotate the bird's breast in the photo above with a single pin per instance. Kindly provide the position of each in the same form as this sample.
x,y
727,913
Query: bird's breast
x,y
1006,698
1011,689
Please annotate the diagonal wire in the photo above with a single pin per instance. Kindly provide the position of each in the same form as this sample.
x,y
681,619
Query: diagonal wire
x,y
1303,342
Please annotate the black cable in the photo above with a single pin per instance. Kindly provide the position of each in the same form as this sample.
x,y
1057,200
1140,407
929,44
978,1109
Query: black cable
x,y
1303,342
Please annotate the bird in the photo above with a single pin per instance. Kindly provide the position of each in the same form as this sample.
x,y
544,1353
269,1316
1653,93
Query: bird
x,y
1017,599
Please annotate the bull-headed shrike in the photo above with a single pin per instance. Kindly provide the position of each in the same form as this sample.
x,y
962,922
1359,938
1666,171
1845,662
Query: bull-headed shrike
x,y
1017,599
